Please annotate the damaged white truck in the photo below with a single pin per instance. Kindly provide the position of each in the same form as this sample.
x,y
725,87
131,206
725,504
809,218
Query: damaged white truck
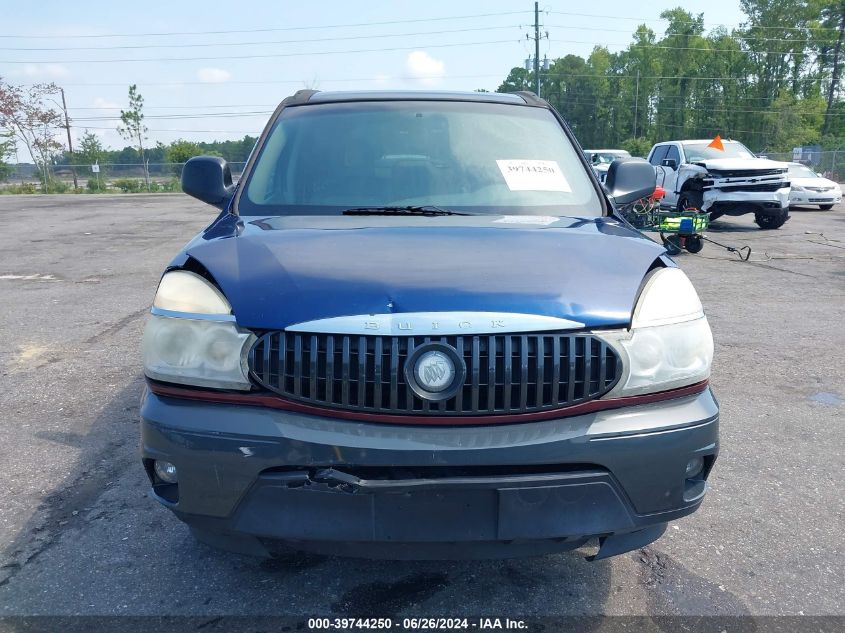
x,y
722,178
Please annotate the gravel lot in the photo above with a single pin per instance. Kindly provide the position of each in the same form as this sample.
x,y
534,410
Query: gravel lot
x,y
80,536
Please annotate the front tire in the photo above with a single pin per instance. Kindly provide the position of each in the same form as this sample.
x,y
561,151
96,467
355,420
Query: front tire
x,y
825,207
769,222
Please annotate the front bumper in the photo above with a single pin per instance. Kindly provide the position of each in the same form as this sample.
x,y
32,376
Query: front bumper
x,y
813,197
719,202
251,476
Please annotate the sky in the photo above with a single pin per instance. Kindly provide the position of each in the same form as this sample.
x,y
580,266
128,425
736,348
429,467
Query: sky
x,y
214,70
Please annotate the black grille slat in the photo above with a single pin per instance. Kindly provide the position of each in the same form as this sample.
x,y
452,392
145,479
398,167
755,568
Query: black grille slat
x,y
570,370
508,361
459,397
409,394
329,369
394,373
362,372
345,371
313,355
540,379
475,368
505,373
491,373
523,372
378,352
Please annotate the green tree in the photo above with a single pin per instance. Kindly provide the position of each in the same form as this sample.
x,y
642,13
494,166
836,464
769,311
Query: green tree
x,y
518,79
181,150
639,146
7,148
133,128
25,113
90,150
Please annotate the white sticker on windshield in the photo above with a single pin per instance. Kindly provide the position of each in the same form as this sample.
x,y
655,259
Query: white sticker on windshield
x,y
533,175
542,220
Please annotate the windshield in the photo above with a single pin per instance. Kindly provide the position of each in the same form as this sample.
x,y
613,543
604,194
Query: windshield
x,y
800,171
605,158
462,156
701,151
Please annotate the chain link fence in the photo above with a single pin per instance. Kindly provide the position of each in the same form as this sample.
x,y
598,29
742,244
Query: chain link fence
x,y
129,177
106,177
829,163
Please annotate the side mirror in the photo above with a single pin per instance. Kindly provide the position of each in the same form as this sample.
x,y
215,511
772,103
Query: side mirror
x,y
671,163
208,178
630,179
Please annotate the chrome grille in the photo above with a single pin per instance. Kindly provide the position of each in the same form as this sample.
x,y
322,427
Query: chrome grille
x,y
506,373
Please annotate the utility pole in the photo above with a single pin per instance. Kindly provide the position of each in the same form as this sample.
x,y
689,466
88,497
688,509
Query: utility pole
x,y
834,78
636,102
537,48
69,142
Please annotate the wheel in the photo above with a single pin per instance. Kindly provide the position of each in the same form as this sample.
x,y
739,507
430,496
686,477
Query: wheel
x,y
689,200
672,243
769,222
825,207
694,244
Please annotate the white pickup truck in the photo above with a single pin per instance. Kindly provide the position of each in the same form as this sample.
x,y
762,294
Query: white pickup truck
x,y
729,181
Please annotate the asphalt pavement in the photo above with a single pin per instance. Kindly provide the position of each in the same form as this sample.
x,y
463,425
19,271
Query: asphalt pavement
x,y
80,535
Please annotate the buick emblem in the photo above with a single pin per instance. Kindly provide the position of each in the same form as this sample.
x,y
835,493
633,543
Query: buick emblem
x,y
434,371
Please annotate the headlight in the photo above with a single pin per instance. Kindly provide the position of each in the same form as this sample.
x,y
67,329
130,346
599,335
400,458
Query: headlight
x,y
191,337
669,344
182,291
797,188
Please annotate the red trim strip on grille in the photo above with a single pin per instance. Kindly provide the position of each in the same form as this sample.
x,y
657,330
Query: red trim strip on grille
x,y
276,402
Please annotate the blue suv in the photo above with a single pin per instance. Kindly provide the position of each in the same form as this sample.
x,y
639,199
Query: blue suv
x,y
418,329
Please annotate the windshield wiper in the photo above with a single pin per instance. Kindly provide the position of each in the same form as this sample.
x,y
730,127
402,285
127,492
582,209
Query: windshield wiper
x,y
426,210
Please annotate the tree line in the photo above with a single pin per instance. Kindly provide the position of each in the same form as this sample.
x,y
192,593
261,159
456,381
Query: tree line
x,y
30,117
772,82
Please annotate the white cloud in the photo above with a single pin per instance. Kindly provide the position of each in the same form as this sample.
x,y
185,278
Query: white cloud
x,y
43,71
213,75
381,79
105,104
424,68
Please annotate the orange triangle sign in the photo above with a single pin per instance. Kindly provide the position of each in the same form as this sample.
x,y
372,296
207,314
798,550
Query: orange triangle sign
x,y
716,143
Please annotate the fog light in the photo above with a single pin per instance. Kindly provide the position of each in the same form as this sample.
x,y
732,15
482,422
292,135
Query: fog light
x,y
167,471
694,467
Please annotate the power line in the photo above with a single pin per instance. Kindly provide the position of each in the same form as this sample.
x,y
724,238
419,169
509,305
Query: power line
x,y
709,35
264,82
688,48
269,30
202,115
254,43
623,76
157,130
264,56
180,107
621,17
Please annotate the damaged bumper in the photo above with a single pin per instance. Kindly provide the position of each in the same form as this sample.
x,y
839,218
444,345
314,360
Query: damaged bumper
x,y
249,478
742,202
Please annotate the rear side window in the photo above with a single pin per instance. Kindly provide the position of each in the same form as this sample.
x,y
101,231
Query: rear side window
x,y
658,154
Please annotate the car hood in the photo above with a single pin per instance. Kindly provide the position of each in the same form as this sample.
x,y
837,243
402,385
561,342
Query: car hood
x,y
733,164
285,270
